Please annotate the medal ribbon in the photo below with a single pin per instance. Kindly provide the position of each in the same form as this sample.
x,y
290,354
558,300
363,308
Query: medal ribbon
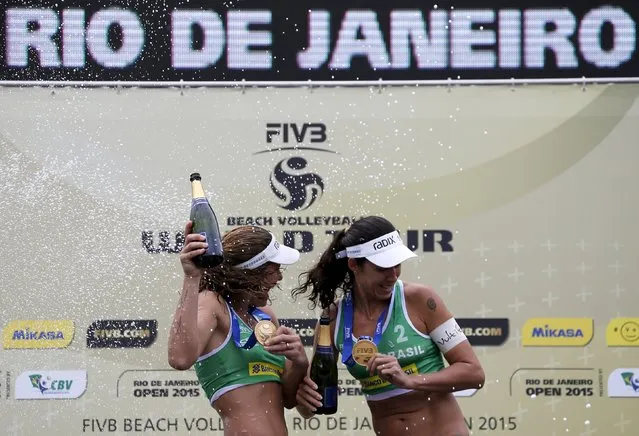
x,y
256,313
347,351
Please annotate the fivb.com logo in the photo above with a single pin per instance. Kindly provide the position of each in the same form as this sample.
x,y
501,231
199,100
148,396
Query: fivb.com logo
x,y
44,385
624,382
557,332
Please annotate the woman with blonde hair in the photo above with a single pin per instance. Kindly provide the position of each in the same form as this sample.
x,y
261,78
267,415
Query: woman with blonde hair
x,y
248,366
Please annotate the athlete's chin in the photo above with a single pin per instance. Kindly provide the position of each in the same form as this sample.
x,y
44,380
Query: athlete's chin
x,y
386,291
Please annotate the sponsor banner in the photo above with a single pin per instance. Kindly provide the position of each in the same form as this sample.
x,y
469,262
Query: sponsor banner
x,y
122,333
158,383
303,327
624,382
485,331
481,162
163,425
623,332
556,382
46,385
557,332
38,334
334,423
274,41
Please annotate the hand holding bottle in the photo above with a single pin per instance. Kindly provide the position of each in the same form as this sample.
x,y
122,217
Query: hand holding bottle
x,y
194,245
324,370
307,395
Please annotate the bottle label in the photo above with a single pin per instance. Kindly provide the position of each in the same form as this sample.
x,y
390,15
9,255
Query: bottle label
x,y
199,201
324,349
329,397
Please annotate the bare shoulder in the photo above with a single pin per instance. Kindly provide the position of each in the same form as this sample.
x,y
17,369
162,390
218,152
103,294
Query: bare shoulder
x,y
210,305
418,294
428,304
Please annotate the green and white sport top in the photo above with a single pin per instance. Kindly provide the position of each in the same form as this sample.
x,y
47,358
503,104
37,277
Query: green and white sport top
x,y
229,367
415,351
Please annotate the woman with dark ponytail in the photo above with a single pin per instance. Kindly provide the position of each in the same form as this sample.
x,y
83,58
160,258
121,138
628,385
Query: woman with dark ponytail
x,y
393,336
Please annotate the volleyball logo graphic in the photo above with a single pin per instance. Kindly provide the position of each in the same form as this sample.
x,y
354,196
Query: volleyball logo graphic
x,y
296,188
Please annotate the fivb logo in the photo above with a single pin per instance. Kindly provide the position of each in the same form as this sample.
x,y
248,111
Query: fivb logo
x,y
293,184
316,132
43,385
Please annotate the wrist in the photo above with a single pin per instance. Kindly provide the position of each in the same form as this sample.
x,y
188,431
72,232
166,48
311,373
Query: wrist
x,y
417,381
301,364
193,277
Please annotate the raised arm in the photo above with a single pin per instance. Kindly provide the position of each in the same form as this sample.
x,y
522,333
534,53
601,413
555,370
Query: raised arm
x,y
194,319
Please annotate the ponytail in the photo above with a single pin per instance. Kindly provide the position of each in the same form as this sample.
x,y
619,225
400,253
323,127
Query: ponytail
x,y
323,280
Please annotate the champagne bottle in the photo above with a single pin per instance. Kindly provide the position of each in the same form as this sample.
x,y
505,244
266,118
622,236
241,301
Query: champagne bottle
x,y
324,370
205,223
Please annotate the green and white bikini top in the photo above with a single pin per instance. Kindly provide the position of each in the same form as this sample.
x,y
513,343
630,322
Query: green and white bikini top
x,y
415,351
229,366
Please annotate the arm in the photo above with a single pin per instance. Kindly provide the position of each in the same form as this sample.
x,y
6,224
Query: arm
x,y
464,370
194,319
296,363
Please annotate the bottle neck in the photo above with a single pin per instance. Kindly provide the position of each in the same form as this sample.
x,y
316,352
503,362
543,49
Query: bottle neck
x,y
197,191
324,339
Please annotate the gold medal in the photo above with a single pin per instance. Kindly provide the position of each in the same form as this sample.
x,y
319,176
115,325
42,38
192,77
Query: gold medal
x,y
363,351
264,330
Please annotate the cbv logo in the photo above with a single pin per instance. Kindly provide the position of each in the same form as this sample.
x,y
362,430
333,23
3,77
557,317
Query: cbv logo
x,y
165,243
287,132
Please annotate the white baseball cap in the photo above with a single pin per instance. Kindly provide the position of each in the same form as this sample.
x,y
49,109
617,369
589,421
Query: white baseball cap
x,y
274,252
386,251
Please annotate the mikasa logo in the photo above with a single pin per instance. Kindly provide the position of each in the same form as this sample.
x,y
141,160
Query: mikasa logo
x,y
384,243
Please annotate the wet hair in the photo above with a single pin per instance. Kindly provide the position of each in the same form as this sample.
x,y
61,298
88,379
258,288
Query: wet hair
x,y
322,282
240,244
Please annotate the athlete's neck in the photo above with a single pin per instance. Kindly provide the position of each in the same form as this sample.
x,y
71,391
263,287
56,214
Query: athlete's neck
x,y
371,308
241,306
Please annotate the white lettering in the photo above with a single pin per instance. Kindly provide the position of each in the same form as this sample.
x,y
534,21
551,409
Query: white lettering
x,y
319,27
590,37
20,37
348,45
464,37
73,53
409,27
240,39
132,38
509,38
182,23
538,37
